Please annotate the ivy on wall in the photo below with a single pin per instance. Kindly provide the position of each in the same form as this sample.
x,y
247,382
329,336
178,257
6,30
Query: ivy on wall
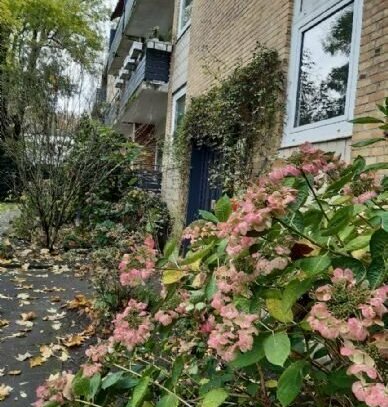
x,y
237,119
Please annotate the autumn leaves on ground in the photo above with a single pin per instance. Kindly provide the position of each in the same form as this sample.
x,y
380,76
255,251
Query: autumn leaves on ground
x,y
44,319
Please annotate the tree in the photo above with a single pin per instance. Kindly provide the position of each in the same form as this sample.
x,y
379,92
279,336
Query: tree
x,y
40,42
41,38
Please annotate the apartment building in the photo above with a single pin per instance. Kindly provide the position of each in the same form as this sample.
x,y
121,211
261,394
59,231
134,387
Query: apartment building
x,y
151,81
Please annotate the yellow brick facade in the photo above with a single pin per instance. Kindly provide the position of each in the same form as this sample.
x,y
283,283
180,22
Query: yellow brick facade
x,y
225,32
372,86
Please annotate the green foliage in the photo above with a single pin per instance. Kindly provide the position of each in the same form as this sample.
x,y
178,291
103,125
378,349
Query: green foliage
x,y
235,118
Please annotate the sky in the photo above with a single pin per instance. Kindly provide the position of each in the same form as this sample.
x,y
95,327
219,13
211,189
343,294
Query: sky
x,y
87,83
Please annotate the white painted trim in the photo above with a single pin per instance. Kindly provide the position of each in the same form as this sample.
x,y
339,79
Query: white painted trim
x,y
181,30
336,127
175,98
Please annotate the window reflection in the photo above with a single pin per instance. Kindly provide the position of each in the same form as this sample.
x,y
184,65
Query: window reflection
x,y
186,12
180,107
324,68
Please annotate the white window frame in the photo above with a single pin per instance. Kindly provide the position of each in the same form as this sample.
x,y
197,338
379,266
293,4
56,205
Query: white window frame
x,y
175,98
182,29
336,127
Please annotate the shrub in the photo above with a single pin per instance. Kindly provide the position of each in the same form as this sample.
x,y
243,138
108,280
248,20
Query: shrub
x,y
279,300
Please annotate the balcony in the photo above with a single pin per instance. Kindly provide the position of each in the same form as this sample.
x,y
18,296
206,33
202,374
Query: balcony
x,y
137,21
143,97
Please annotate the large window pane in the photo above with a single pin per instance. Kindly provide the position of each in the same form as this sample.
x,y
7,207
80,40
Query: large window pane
x,y
180,106
324,68
185,12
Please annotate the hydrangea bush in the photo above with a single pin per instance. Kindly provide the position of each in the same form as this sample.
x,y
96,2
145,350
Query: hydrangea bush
x,y
279,300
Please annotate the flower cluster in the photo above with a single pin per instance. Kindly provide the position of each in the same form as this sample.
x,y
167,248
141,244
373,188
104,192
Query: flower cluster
x,y
133,326
346,311
137,267
199,230
254,213
56,389
235,332
363,188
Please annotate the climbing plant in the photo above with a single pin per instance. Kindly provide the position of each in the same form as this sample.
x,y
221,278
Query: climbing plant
x,y
236,118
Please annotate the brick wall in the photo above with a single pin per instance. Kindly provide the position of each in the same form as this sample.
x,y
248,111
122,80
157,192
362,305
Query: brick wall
x,y
372,84
173,184
225,31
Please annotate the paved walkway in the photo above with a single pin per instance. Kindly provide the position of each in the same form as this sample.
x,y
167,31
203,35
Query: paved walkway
x,y
39,334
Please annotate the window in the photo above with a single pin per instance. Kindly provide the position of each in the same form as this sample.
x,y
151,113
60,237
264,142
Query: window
x,y
179,108
185,14
323,70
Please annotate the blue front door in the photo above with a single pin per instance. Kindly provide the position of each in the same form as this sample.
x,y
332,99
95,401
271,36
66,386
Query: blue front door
x,y
201,193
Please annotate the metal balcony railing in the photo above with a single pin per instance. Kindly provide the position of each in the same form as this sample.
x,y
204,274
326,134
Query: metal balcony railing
x,y
148,177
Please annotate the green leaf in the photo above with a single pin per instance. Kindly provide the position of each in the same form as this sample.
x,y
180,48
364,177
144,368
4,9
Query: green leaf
x,y
139,392
170,247
350,262
208,216
382,109
376,167
252,356
366,120
172,276
170,400
111,379
198,255
278,310
379,244
376,272
368,142
340,219
211,287
214,398
290,383
295,220
336,186
277,348
177,370
314,265
358,243
303,192
81,386
223,209
384,220
294,290
95,382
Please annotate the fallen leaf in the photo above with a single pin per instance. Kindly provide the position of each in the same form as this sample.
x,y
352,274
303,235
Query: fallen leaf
x,y
46,351
3,323
14,372
25,266
4,391
23,394
36,361
56,326
64,356
23,296
24,357
74,340
28,324
28,316
2,371
5,297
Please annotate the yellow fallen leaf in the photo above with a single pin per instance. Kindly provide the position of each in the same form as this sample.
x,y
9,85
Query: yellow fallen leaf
x,y
46,351
3,323
4,391
28,316
73,340
36,361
